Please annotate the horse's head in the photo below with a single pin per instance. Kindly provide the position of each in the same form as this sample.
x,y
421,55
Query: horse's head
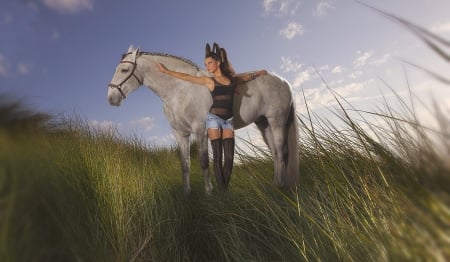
x,y
125,79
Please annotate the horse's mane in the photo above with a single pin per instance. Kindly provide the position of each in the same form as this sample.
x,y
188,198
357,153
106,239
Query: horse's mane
x,y
172,56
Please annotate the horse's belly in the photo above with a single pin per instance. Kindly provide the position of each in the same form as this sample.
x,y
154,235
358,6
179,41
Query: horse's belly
x,y
248,112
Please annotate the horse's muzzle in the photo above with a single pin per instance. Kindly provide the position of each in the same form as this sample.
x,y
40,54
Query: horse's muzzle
x,y
114,98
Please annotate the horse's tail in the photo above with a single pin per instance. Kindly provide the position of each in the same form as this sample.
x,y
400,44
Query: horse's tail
x,y
292,167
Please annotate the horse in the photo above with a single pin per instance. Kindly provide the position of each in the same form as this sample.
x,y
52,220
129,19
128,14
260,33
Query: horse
x,y
266,101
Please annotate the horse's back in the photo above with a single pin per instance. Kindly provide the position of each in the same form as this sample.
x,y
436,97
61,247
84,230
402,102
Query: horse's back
x,y
267,96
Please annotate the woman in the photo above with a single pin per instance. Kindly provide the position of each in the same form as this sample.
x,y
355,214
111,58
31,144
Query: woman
x,y
219,121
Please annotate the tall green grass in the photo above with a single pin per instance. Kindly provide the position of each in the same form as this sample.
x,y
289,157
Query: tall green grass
x,y
71,193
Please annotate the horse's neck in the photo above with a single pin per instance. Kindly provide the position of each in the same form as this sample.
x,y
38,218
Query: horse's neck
x,y
163,85
179,97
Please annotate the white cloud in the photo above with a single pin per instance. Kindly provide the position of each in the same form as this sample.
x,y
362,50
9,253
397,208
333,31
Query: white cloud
x,y
441,28
166,140
147,123
292,30
288,65
268,5
322,8
336,82
382,60
303,77
108,127
281,7
356,74
69,6
362,58
336,70
322,97
324,68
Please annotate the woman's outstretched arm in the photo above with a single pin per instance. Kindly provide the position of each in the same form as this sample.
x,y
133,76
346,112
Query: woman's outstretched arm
x,y
244,77
201,80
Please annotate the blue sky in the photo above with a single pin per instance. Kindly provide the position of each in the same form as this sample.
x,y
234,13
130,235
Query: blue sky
x,y
59,55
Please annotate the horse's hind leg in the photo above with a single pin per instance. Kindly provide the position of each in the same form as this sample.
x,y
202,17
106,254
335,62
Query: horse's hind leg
x,y
202,142
279,151
183,143
266,133
274,133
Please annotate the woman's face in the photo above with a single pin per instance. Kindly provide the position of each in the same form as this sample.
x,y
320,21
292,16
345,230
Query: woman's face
x,y
211,65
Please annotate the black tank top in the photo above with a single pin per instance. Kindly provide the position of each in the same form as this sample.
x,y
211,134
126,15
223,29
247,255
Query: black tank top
x,y
222,96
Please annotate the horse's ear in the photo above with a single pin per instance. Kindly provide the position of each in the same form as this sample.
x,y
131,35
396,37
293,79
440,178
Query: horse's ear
x,y
207,50
136,52
130,49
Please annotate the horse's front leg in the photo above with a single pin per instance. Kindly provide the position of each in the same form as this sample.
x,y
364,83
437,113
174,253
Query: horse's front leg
x,y
202,141
183,143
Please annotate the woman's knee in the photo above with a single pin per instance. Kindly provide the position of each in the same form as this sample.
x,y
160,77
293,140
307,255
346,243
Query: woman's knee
x,y
214,133
227,133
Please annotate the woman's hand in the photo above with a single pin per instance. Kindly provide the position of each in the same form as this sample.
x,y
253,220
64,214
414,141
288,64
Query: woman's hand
x,y
262,72
255,74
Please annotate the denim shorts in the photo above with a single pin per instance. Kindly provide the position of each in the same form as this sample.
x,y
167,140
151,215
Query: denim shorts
x,y
213,121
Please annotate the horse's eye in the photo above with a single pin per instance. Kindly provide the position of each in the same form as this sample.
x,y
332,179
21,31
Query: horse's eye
x,y
125,70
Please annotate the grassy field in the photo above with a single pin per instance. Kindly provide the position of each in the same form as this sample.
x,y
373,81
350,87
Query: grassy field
x,y
71,193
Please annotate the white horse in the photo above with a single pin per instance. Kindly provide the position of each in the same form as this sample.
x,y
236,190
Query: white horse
x,y
266,101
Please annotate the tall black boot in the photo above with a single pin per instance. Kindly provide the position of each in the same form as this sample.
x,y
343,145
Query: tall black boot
x,y
228,150
217,161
